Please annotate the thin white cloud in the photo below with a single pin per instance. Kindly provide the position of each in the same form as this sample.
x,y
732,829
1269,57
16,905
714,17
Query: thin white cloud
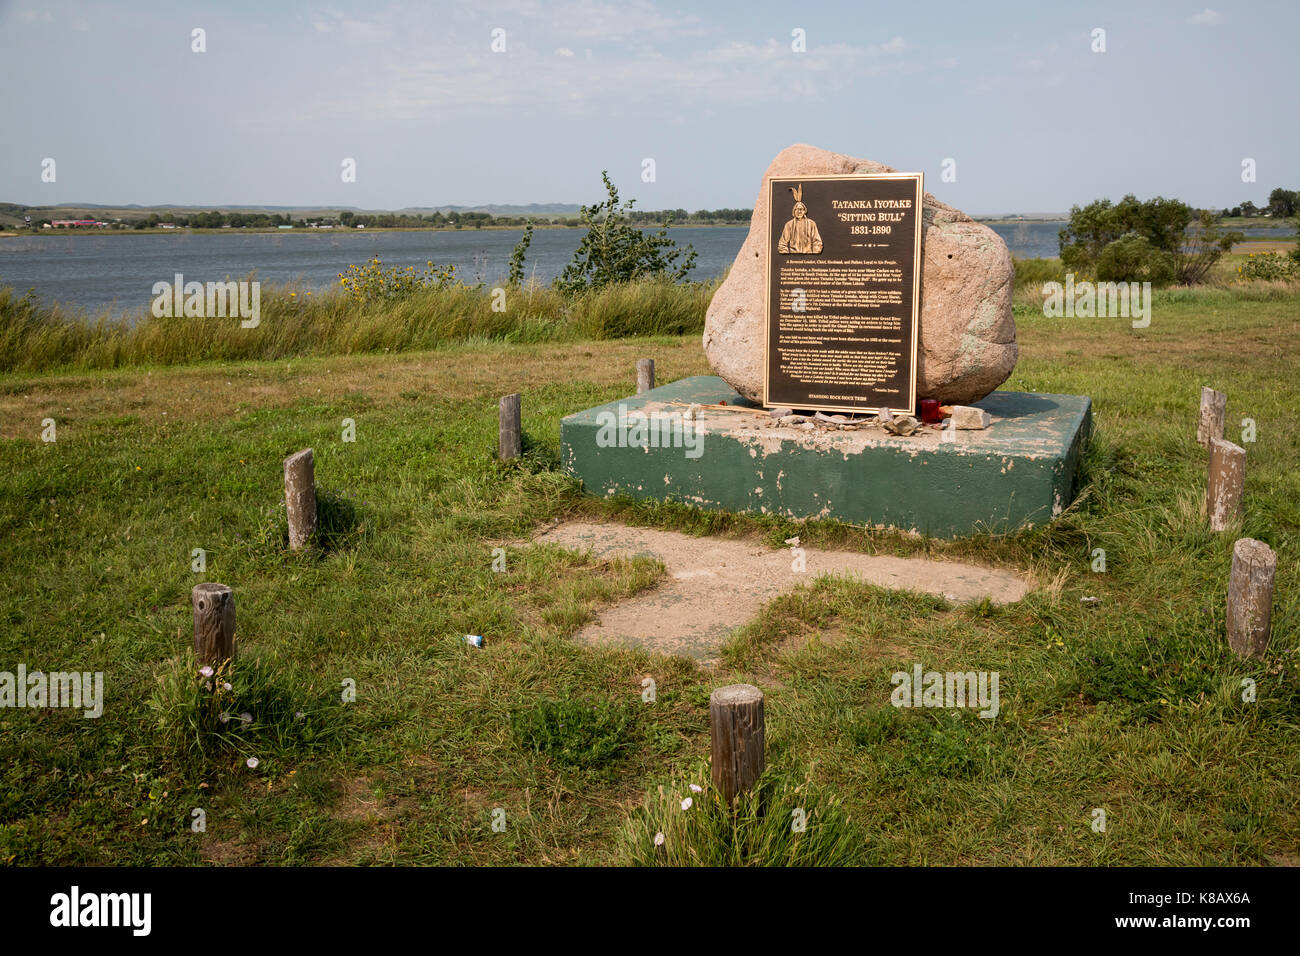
x,y
1206,18
651,54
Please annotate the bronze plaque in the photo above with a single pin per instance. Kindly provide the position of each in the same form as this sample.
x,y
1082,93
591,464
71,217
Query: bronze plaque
x,y
843,292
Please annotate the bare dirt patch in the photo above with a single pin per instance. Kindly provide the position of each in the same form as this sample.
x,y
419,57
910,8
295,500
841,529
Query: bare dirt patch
x,y
714,586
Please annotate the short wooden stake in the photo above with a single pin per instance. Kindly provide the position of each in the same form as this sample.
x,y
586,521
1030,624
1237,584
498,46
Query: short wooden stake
x,y
645,375
736,724
509,434
1250,597
1223,489
214,623
1210,423
300,497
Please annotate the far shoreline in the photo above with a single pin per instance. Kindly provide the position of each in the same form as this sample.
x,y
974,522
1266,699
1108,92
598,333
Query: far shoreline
x,y
300,230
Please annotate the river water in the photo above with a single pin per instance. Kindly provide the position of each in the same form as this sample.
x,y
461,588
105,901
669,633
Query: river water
x,y
117,272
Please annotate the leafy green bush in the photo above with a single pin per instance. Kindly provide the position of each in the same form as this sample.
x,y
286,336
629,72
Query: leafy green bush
x,y
1191,240
1133,258
614,250
518,253
574,733
874,728
785,820
947,743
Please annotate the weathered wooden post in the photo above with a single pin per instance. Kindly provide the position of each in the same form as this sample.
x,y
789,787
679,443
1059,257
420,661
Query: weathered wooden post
x,y
1223,489
645,375
1210,423
1250,597
214,623
509,433
736,724
300,497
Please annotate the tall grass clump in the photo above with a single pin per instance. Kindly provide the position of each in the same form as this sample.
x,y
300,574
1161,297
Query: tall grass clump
x,y
1034,272
297,322
785,820
241,711
648,307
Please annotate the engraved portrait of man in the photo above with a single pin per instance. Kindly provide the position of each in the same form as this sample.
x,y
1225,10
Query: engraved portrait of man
x,y
800,234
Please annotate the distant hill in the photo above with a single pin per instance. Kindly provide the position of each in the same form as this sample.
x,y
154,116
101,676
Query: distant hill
x,y
494,209
1024,217
67,209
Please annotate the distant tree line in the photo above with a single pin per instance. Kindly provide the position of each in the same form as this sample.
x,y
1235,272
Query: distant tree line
x,y
1282,204
347,219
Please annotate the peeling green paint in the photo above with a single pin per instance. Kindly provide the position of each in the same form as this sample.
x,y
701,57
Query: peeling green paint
x,y
1019,471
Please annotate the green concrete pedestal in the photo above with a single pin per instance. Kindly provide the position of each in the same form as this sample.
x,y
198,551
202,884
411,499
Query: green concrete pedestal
x,y
1020,471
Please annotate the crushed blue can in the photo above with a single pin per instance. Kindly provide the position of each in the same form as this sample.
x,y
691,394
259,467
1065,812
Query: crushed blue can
x,y
474,640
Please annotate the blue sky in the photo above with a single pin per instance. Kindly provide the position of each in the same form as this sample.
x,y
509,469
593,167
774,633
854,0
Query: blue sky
x,y
1013,92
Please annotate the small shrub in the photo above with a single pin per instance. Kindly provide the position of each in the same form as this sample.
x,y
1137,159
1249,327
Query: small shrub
x,y
373,283
930,742
614,250
1133,258
574,733
517,255
1269,266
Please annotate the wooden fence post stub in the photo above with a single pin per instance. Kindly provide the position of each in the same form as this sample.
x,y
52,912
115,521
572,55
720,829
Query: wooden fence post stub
x,y
645,375
1250,597
736,726
214,623
509,433
1209,424
1223,488
300,497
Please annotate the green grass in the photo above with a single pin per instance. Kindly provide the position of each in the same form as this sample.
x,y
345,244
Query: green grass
x,y
1132,704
